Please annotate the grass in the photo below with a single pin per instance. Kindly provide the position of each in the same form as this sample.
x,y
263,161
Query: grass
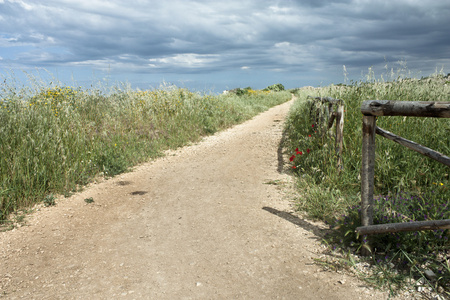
x,y
56,139
409,186
89,200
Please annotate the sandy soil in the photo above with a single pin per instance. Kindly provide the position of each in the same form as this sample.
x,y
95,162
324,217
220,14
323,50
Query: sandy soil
x,y
204,222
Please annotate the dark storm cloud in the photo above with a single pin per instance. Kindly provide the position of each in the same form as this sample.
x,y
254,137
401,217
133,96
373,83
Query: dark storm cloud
x,y
213,36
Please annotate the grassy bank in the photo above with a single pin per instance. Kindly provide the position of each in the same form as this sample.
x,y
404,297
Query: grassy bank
x,y
408,186
55,140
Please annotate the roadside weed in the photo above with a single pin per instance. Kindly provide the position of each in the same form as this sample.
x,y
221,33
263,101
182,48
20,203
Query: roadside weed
x,y
410,187
49,200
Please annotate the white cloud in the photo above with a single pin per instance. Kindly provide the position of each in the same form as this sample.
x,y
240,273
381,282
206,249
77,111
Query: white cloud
x,y
23,4
187,60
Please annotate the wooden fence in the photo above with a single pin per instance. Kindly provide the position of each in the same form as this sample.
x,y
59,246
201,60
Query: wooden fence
x,y
372,109
327,111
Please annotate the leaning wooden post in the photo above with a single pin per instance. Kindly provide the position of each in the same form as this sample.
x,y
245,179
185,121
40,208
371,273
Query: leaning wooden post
x,y
367,174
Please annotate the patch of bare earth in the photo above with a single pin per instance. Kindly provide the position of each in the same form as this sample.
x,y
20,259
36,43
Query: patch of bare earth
x,y
208,221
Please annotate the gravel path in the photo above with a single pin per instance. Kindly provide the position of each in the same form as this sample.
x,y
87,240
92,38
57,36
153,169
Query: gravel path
x,y
204,222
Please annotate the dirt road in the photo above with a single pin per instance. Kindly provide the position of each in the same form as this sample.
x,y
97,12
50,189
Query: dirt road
x,y
204,222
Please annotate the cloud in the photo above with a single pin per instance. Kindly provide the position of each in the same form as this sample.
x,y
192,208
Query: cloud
x,y
185,60
206,37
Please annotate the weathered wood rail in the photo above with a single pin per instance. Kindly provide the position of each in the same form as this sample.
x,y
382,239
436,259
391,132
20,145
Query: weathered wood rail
x,y
329,110
372,109
431,109
407,226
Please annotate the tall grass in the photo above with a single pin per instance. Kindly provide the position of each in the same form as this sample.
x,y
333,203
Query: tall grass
x,y
410,186
397,168
56,139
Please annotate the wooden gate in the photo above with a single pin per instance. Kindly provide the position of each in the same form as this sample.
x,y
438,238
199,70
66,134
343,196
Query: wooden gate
x,y
372,109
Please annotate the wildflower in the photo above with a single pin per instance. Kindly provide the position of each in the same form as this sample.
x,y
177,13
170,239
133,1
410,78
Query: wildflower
x,y
309,135
307,150
312,125
296,149
292,158
299,152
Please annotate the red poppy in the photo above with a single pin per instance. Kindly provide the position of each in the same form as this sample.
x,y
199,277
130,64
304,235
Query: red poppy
x,y
312,125
296,149
292,158
294,167
307,150
299,152
309,135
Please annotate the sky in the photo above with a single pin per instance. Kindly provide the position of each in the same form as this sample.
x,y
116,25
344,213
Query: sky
x,y
212,46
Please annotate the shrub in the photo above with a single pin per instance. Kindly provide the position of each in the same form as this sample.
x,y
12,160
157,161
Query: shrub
x,y
275,87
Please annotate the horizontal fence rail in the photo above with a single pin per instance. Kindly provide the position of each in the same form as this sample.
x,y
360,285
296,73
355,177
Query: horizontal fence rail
x,y
372,109
407,226
327,100
432,109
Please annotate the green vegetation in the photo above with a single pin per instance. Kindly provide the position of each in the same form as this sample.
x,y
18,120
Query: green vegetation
x,y
50,200
409,186
275,87
89,200
56,139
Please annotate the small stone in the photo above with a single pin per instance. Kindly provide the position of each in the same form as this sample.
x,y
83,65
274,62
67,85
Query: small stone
x,y
198,284
430,275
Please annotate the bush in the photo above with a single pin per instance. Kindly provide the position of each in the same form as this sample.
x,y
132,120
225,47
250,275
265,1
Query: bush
x,y
275,87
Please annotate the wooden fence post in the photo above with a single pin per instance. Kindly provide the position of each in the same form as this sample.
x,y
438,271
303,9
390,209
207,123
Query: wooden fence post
x,y
367,173
330,110
340,135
